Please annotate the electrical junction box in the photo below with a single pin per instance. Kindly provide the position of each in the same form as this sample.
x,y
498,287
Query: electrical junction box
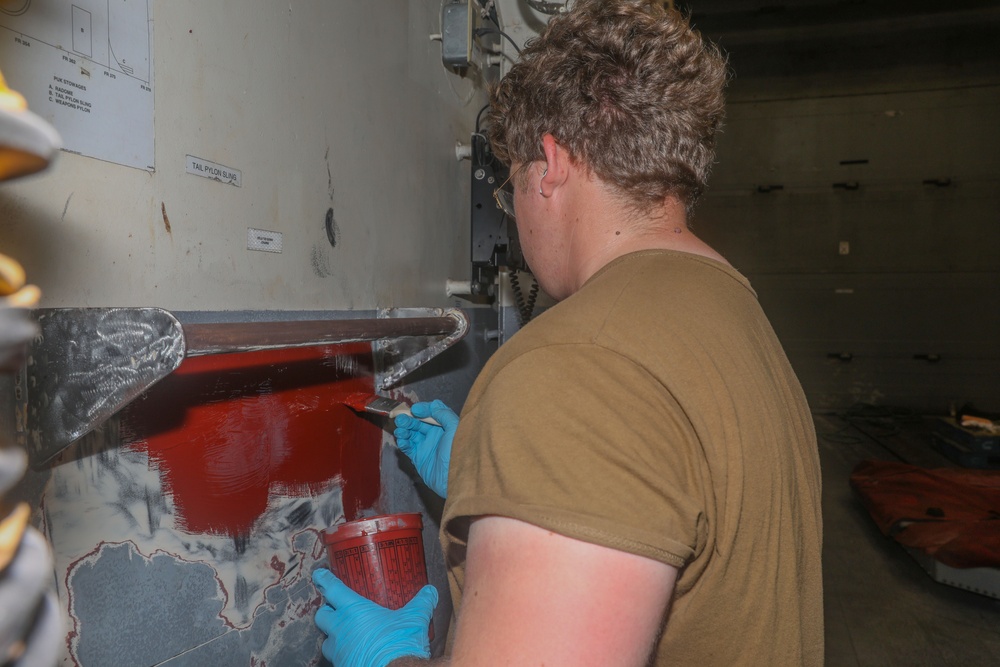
x,y
457,20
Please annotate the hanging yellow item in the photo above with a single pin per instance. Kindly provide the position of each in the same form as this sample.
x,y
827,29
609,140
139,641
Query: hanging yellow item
x,y
13,290
27,142
11,529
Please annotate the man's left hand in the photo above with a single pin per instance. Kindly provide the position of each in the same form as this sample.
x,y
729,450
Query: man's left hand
x,y
361,633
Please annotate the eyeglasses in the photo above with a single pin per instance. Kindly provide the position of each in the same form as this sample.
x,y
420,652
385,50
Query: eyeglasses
x,y
505,198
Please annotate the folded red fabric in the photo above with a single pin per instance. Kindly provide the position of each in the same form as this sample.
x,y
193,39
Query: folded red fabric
x,y
951,514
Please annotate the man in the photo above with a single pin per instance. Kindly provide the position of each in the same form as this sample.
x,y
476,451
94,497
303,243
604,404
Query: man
x,y
635,477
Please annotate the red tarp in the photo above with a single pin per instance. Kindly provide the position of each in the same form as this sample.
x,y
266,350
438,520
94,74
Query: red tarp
x,y
951,514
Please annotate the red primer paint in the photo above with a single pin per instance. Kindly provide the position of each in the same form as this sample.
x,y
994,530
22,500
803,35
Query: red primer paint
x,y
278,566
358,401
228,431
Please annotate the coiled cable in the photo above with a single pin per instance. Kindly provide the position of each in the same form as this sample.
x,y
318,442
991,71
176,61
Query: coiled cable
x,y
525,304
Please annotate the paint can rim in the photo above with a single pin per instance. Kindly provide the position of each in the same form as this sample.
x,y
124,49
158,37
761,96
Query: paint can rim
x,y
370,526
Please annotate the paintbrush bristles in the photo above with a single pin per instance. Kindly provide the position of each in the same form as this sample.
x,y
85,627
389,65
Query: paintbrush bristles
x,y
379,405
358,400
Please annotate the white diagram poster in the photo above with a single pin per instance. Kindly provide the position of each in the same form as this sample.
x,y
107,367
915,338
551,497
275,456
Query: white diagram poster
x,y
86,67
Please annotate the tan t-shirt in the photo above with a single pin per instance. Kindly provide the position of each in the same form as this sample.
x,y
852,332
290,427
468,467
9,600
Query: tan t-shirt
x,y
655,412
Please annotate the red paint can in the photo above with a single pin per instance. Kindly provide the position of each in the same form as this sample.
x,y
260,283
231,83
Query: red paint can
x,y
381,557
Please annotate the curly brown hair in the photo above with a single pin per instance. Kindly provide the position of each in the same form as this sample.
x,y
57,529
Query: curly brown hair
x,y
627,87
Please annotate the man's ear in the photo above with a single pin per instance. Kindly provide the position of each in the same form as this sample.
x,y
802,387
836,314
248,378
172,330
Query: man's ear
x,y
557,166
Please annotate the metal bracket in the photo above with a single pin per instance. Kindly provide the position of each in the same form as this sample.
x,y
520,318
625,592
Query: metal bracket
x,y
399,357
86,364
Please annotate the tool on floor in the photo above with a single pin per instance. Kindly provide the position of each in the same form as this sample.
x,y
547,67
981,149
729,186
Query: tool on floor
x,y
380,405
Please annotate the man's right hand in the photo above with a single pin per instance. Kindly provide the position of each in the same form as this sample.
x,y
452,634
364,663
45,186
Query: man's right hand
x,y
427,445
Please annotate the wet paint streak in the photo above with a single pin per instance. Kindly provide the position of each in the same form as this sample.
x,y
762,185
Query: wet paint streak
x,y
228,432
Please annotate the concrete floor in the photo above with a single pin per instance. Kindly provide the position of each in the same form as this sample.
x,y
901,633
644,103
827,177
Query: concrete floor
x,y
882,609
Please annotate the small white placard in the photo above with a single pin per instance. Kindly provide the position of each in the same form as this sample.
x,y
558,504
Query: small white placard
x,y
216,172
263,240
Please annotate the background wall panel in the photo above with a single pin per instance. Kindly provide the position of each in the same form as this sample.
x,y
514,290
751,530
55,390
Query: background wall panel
x,y
868,225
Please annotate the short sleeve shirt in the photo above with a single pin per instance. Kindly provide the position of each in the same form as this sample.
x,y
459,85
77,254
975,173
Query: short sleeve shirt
x,y
655,412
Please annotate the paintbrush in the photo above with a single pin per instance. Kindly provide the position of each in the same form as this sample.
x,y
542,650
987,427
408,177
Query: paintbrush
x,y
380,405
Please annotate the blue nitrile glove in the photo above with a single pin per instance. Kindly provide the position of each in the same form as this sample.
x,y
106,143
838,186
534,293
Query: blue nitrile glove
x,y
361,633
427,445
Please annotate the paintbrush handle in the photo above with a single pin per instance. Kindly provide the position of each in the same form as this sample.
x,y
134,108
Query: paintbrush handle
x,y
403,409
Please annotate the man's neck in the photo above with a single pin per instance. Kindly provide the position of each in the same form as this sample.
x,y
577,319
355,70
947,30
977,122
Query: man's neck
x,y
606,231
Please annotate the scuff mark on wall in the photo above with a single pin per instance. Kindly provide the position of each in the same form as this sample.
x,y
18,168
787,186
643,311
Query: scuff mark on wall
x,y
66,207
166,220
329,222
329,174
332,230
321,256
321,262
